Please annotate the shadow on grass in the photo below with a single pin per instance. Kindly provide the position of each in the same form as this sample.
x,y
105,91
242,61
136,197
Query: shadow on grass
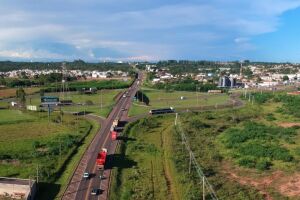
x,y
80,113
47,191
119,161
125,138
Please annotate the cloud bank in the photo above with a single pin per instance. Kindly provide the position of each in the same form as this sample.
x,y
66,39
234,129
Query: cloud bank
x,y
136,30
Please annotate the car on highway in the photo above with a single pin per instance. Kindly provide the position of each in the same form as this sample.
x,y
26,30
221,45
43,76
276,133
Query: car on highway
x,y
124,95
101,176
123,109
95,191
86,175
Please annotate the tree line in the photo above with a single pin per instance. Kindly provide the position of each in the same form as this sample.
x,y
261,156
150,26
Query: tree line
x,y
6,66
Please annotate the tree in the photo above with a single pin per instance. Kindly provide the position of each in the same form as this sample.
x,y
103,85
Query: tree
x,y
42,92
21,96
285,78
258,79
247,72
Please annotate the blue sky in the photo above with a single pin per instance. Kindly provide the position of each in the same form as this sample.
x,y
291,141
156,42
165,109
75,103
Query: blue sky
x,y
97,30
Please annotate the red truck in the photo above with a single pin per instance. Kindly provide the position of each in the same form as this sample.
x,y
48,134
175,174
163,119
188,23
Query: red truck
x,y
114,135
101,158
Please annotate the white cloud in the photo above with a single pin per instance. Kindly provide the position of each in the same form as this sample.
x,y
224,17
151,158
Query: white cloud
x,y
30,54
135,28
241,40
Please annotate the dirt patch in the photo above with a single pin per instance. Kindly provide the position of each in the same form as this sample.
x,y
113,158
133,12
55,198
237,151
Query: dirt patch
x,y
14,162
288,124
165,167
260,183
286,185
290,187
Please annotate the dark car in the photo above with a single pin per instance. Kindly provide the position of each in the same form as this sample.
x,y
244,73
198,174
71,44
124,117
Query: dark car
x,y
95,191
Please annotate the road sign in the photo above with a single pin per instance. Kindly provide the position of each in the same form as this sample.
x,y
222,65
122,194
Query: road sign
x,y
49,99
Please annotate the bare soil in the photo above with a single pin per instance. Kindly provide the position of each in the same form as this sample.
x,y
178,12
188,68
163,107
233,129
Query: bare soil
x,y
288,124
286,185
290,186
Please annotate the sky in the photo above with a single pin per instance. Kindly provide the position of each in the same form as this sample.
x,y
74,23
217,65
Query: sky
x,y
150,30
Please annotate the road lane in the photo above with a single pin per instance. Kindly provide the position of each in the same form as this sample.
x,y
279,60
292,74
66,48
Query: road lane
x,y
79,188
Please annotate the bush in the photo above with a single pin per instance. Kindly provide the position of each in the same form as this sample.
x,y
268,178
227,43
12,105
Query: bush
x,y
247,161
263,164
89,102
270,117
256,145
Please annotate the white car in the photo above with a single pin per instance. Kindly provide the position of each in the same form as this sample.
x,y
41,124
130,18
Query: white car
x,y
86,175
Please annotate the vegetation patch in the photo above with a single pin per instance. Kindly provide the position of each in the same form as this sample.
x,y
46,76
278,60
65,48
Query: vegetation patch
x,y
257,145
40,145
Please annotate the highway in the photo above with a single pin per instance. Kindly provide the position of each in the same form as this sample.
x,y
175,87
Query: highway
x,y
79,188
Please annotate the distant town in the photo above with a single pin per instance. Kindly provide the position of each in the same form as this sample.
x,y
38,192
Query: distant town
x,y
223,74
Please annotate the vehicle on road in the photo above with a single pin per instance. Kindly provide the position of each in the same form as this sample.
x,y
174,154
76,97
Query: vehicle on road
x,y
114,135
95,191
101,159
86,175
161,111
123,109
124,95
116,122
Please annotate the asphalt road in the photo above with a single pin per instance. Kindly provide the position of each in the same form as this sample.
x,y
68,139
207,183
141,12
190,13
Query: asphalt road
x,y
79,188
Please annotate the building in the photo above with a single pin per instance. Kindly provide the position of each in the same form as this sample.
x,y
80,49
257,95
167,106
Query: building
x,y
226,81
13,188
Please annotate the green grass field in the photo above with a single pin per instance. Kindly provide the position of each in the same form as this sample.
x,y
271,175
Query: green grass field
x,y
30,140
241,152
162,99
147,171
153,164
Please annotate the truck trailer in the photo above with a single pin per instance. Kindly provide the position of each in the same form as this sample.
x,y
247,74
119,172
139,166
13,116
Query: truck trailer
x,y
101,159
114,135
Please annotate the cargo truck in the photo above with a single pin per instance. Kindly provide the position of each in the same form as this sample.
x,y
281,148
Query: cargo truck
x,y
114,135
101,159
115,122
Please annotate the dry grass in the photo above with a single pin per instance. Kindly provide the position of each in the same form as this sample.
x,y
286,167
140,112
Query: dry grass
x,y
11,92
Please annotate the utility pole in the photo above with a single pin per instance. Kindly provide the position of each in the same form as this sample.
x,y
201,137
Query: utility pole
x,y
37,173
203,188
48,113
59,149
197,96
190,164
101,99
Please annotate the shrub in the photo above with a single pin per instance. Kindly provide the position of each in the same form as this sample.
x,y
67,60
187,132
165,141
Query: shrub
x,y
89,102
247,161
270,117
263,164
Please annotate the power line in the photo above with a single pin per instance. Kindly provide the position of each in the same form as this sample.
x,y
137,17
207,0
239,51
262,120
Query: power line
x,y
193,161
